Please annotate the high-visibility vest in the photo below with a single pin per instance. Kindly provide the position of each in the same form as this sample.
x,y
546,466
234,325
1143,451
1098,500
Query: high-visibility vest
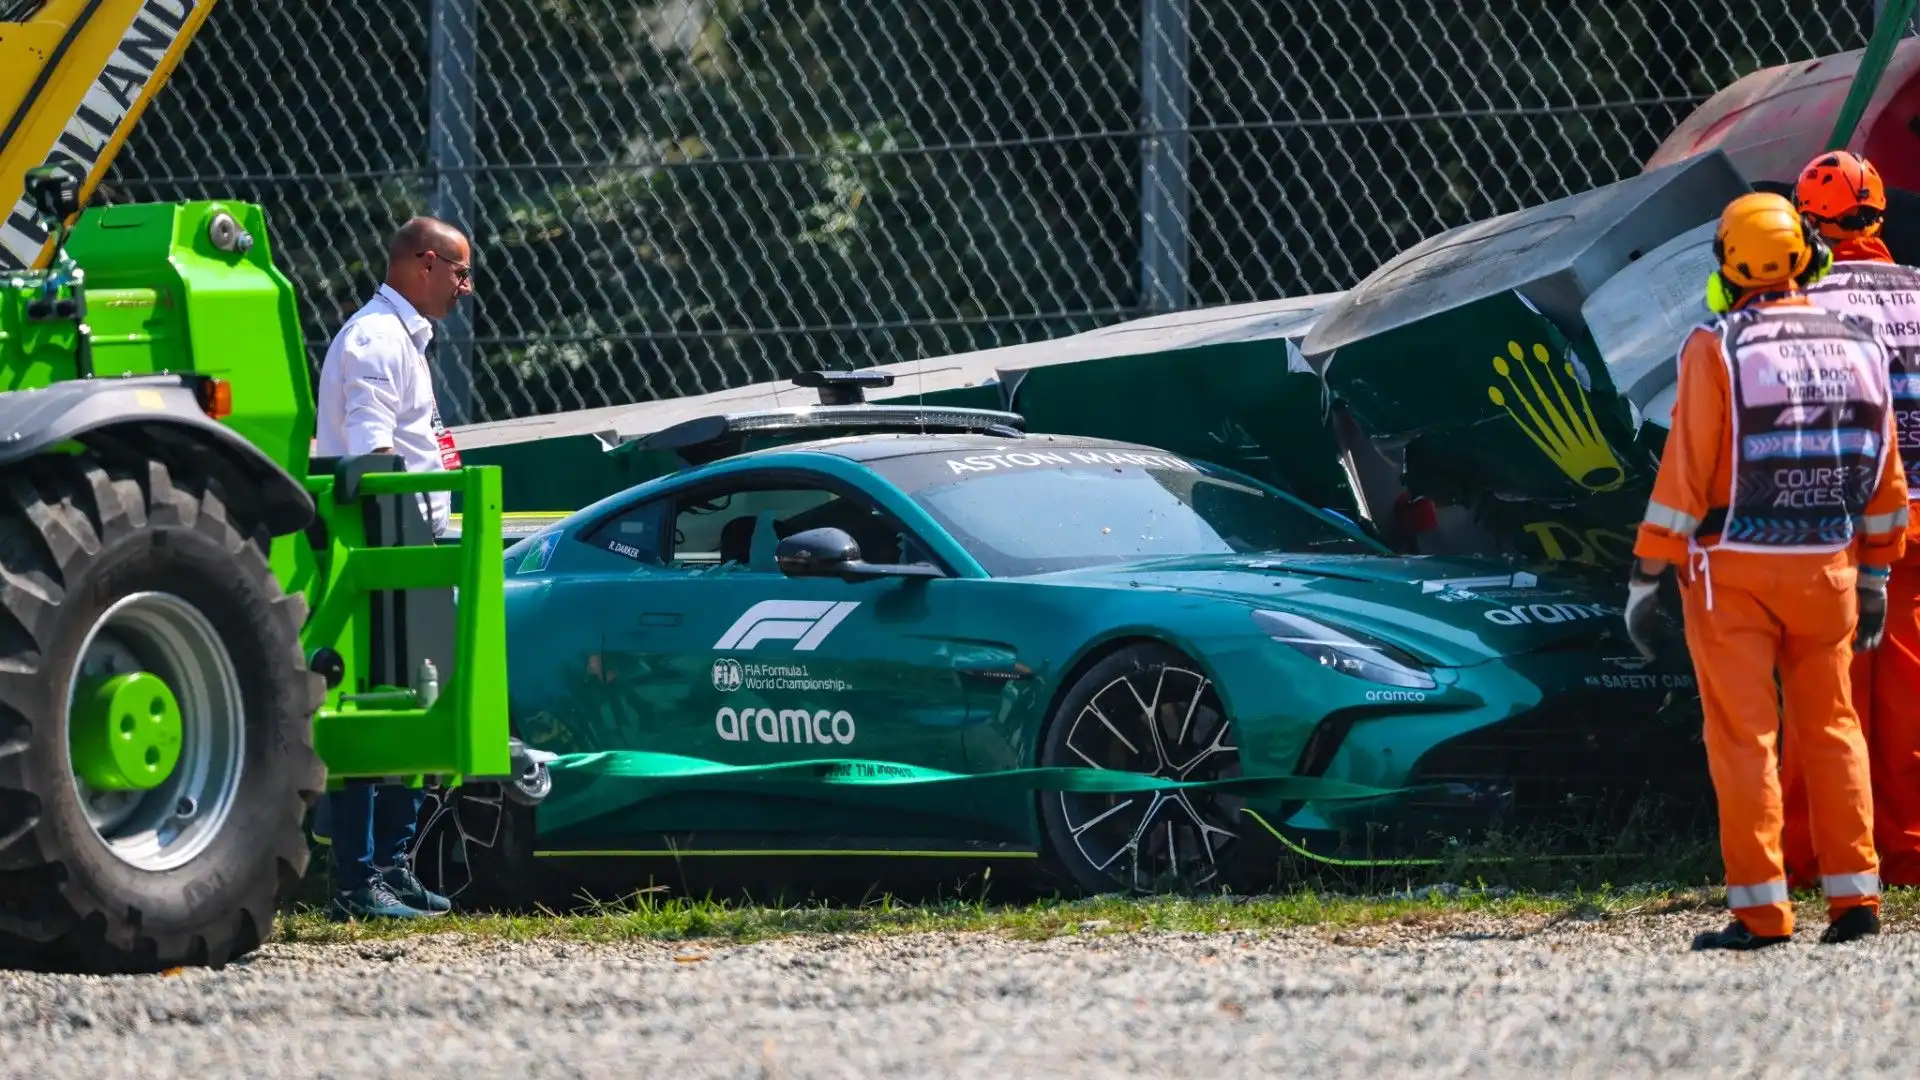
x,y
1810,397
1888,296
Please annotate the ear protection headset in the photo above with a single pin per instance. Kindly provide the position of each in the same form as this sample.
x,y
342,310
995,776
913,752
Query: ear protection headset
x,y
1723,294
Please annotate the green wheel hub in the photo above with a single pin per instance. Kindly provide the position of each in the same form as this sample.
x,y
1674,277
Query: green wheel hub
x,y
126,732
157,730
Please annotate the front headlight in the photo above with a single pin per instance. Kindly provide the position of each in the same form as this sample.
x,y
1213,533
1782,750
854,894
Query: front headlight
x,y
1348,652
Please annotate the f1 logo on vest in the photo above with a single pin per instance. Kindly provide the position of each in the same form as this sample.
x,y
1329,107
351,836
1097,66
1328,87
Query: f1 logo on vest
x,y
1807,414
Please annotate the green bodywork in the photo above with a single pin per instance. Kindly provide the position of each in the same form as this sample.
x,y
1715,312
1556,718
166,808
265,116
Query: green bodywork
x,y
961,674
161,297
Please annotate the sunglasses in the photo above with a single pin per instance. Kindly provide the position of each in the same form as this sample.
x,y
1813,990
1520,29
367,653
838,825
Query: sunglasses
x,y
461,271
1860,217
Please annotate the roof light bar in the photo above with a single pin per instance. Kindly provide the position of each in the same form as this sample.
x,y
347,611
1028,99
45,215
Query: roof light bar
x,y
710,437
945,419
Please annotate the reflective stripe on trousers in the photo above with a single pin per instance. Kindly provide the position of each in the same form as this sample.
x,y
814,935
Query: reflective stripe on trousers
x,y
1771,892
1848,884
1775,892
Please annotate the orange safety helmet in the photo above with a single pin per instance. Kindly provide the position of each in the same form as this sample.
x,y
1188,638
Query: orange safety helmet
x,y
1842,192
1763,241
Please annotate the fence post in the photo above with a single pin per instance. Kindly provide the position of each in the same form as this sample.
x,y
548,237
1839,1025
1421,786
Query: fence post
x,y
451,153
1163,158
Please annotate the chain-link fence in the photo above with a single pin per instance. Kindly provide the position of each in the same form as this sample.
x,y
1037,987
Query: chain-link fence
x,y
677,196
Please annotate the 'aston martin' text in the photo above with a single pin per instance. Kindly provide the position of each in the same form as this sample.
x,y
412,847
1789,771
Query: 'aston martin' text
x,y
1032,459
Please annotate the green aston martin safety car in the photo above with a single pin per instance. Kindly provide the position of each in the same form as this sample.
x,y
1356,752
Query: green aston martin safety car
x,y
942,589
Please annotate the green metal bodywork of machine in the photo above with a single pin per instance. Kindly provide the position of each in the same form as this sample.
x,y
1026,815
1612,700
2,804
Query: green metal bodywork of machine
x,y
201,628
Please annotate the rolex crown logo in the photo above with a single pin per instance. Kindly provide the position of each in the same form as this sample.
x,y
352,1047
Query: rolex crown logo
x,y
1564,431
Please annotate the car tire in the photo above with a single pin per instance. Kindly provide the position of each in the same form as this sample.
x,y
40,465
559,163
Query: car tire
x,y
109,571
1146,842
475,847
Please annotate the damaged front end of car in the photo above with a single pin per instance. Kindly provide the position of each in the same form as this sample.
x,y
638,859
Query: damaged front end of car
x,y
1572,749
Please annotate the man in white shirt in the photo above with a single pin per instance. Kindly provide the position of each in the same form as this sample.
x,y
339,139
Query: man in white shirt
x,y
376,397
376,389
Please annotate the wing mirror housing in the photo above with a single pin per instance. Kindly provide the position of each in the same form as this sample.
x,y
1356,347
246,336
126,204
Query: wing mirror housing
x,y
832,552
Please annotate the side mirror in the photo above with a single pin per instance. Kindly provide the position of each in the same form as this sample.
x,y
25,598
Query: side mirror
x,y
816,553
830,552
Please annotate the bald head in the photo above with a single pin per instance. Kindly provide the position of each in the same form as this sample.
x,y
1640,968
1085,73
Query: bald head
x,y
422,234
428,262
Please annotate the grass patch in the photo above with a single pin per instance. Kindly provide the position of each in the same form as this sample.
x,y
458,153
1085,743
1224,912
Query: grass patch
x,y
1528,879
647,918
717,922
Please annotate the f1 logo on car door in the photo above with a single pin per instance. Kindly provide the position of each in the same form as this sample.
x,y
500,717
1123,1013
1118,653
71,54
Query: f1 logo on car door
x,y
836,668
806,623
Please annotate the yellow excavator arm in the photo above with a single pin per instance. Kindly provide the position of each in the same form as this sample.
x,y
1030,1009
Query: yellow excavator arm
x,y
75,76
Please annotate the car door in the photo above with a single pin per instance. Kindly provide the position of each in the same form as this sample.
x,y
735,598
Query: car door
x,y
763,668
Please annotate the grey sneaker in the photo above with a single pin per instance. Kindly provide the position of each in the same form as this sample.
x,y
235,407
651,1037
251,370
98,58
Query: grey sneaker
x,y
408,890
373,901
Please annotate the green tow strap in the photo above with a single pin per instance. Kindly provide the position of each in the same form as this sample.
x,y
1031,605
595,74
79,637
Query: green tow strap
x,y
1387,864
1894,20
588,786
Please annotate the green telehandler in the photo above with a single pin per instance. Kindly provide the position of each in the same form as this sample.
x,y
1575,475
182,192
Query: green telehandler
x,y
201,626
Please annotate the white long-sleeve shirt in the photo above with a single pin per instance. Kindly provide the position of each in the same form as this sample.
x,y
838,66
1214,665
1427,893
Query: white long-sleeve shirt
x,y
376,390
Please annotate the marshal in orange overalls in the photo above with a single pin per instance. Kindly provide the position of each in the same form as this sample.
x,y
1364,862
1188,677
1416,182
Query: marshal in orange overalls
x,y
1777,482
1846,198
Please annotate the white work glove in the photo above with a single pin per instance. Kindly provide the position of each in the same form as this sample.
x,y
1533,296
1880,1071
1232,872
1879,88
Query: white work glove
x,y
1643,606
1871,588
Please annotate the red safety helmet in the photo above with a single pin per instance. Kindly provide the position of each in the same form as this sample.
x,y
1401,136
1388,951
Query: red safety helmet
x,y
1843,194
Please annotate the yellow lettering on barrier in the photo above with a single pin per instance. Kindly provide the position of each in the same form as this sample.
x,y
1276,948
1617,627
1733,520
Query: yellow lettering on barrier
x,y
1543,532
1622,553
1561,542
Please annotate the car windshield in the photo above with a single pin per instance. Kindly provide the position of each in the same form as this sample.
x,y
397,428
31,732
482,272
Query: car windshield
x,y
1035,512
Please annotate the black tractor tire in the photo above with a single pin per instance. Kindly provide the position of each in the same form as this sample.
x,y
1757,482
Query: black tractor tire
x,y
1072,860
77,536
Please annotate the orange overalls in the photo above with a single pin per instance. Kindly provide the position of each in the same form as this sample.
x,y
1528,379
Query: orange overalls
x,y
1767,573
1886,682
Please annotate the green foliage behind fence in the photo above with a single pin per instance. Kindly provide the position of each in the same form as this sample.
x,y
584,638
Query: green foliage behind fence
x,y
678,196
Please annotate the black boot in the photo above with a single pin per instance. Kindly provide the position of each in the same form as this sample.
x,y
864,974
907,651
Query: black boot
x,y
1852,925
1736,936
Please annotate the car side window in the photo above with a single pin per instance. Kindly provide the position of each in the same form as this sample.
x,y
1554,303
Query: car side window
x,y
717,528
633,533
740,527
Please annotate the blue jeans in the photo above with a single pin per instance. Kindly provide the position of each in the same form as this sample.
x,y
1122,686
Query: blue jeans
x,y
370,824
